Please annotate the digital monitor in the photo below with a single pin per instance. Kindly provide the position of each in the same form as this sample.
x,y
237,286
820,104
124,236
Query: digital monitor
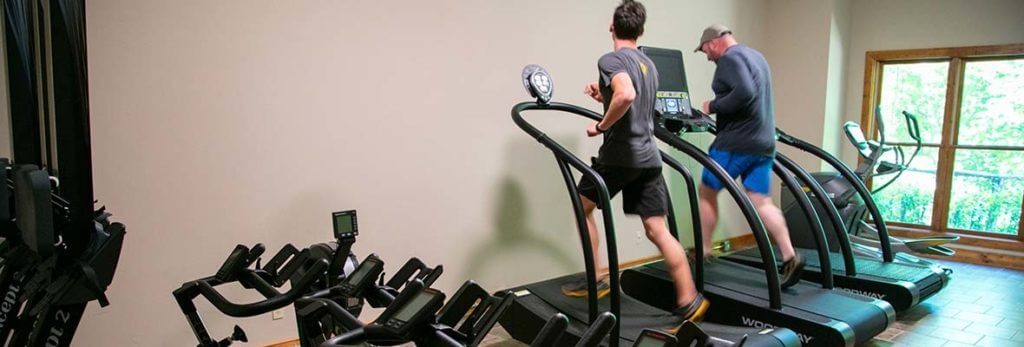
x,y
855,134
235,261
651,338
345,224
415,305
684,104
649,342
673,96
671,105
671,73
360,273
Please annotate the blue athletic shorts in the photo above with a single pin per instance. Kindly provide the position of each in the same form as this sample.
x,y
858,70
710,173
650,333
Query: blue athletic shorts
x,y
756,170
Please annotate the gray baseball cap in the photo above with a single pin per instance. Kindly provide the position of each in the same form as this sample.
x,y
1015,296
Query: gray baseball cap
x,y
712,32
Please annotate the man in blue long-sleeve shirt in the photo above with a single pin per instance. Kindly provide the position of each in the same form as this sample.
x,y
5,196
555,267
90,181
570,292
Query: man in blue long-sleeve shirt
x,y
745,144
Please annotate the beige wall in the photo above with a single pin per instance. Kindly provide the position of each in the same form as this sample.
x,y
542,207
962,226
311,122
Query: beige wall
x,y
224,122
808,40
839,43
884,25
798,32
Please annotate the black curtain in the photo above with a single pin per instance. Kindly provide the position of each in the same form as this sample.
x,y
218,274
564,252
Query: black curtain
x,y
21,81
71,117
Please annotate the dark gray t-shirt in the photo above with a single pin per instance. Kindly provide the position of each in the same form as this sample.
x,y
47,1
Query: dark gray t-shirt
x,y
629,142
743,102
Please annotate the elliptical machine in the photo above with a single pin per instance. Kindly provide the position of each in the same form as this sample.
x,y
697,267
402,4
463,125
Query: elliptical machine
x,y
871,152
874,166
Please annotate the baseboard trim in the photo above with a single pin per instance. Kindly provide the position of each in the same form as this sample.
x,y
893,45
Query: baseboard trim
x,y
982,256
289,343
973,249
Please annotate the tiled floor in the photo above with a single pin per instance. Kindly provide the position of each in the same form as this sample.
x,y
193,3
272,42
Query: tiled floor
x,y
982,306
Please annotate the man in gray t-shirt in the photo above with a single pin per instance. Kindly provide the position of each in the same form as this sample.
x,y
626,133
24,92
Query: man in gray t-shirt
x,y
629,160
628,142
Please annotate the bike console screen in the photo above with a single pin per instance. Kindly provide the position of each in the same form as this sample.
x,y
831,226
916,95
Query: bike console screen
x,y
345,224
651,338
416,309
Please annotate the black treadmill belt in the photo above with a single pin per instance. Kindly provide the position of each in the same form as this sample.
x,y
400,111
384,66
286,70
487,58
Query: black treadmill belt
x,y
895,270
637,315
805,296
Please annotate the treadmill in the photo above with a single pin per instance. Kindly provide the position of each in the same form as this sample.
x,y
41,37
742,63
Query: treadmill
x,y
535,303
901,279
739,294
902,283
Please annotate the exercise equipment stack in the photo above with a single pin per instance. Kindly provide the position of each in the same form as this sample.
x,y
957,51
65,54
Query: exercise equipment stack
x,y
60,250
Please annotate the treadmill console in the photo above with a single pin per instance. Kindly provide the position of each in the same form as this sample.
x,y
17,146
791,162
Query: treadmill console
x,y
362,277
654,338
346,225
672,101
410,311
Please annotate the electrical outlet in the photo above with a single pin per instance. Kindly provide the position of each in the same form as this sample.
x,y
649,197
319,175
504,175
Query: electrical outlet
x,y
278,314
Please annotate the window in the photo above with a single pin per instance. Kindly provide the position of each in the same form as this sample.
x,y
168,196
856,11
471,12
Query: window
x,y
969,176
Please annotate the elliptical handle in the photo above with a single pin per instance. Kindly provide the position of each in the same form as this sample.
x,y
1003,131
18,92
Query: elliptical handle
x,y
912,127
880,126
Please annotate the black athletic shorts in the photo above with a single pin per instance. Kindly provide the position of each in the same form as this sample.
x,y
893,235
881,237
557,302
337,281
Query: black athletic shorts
x,y
643,189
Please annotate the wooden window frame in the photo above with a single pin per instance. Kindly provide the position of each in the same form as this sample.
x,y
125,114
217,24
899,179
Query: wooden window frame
x,y
957,57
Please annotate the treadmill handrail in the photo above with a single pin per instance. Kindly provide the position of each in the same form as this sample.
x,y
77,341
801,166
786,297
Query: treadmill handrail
x,y
838,227
746,207
698,237
566,157
588,253
854,180
813,221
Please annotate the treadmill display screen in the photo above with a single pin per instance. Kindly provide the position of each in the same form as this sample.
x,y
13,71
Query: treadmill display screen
x,y
415,305
673,97
671,105
345,224
671,76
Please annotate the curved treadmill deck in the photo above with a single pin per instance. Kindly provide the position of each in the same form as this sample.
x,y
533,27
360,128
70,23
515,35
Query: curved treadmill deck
x,y
902,284
738,296
537,302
